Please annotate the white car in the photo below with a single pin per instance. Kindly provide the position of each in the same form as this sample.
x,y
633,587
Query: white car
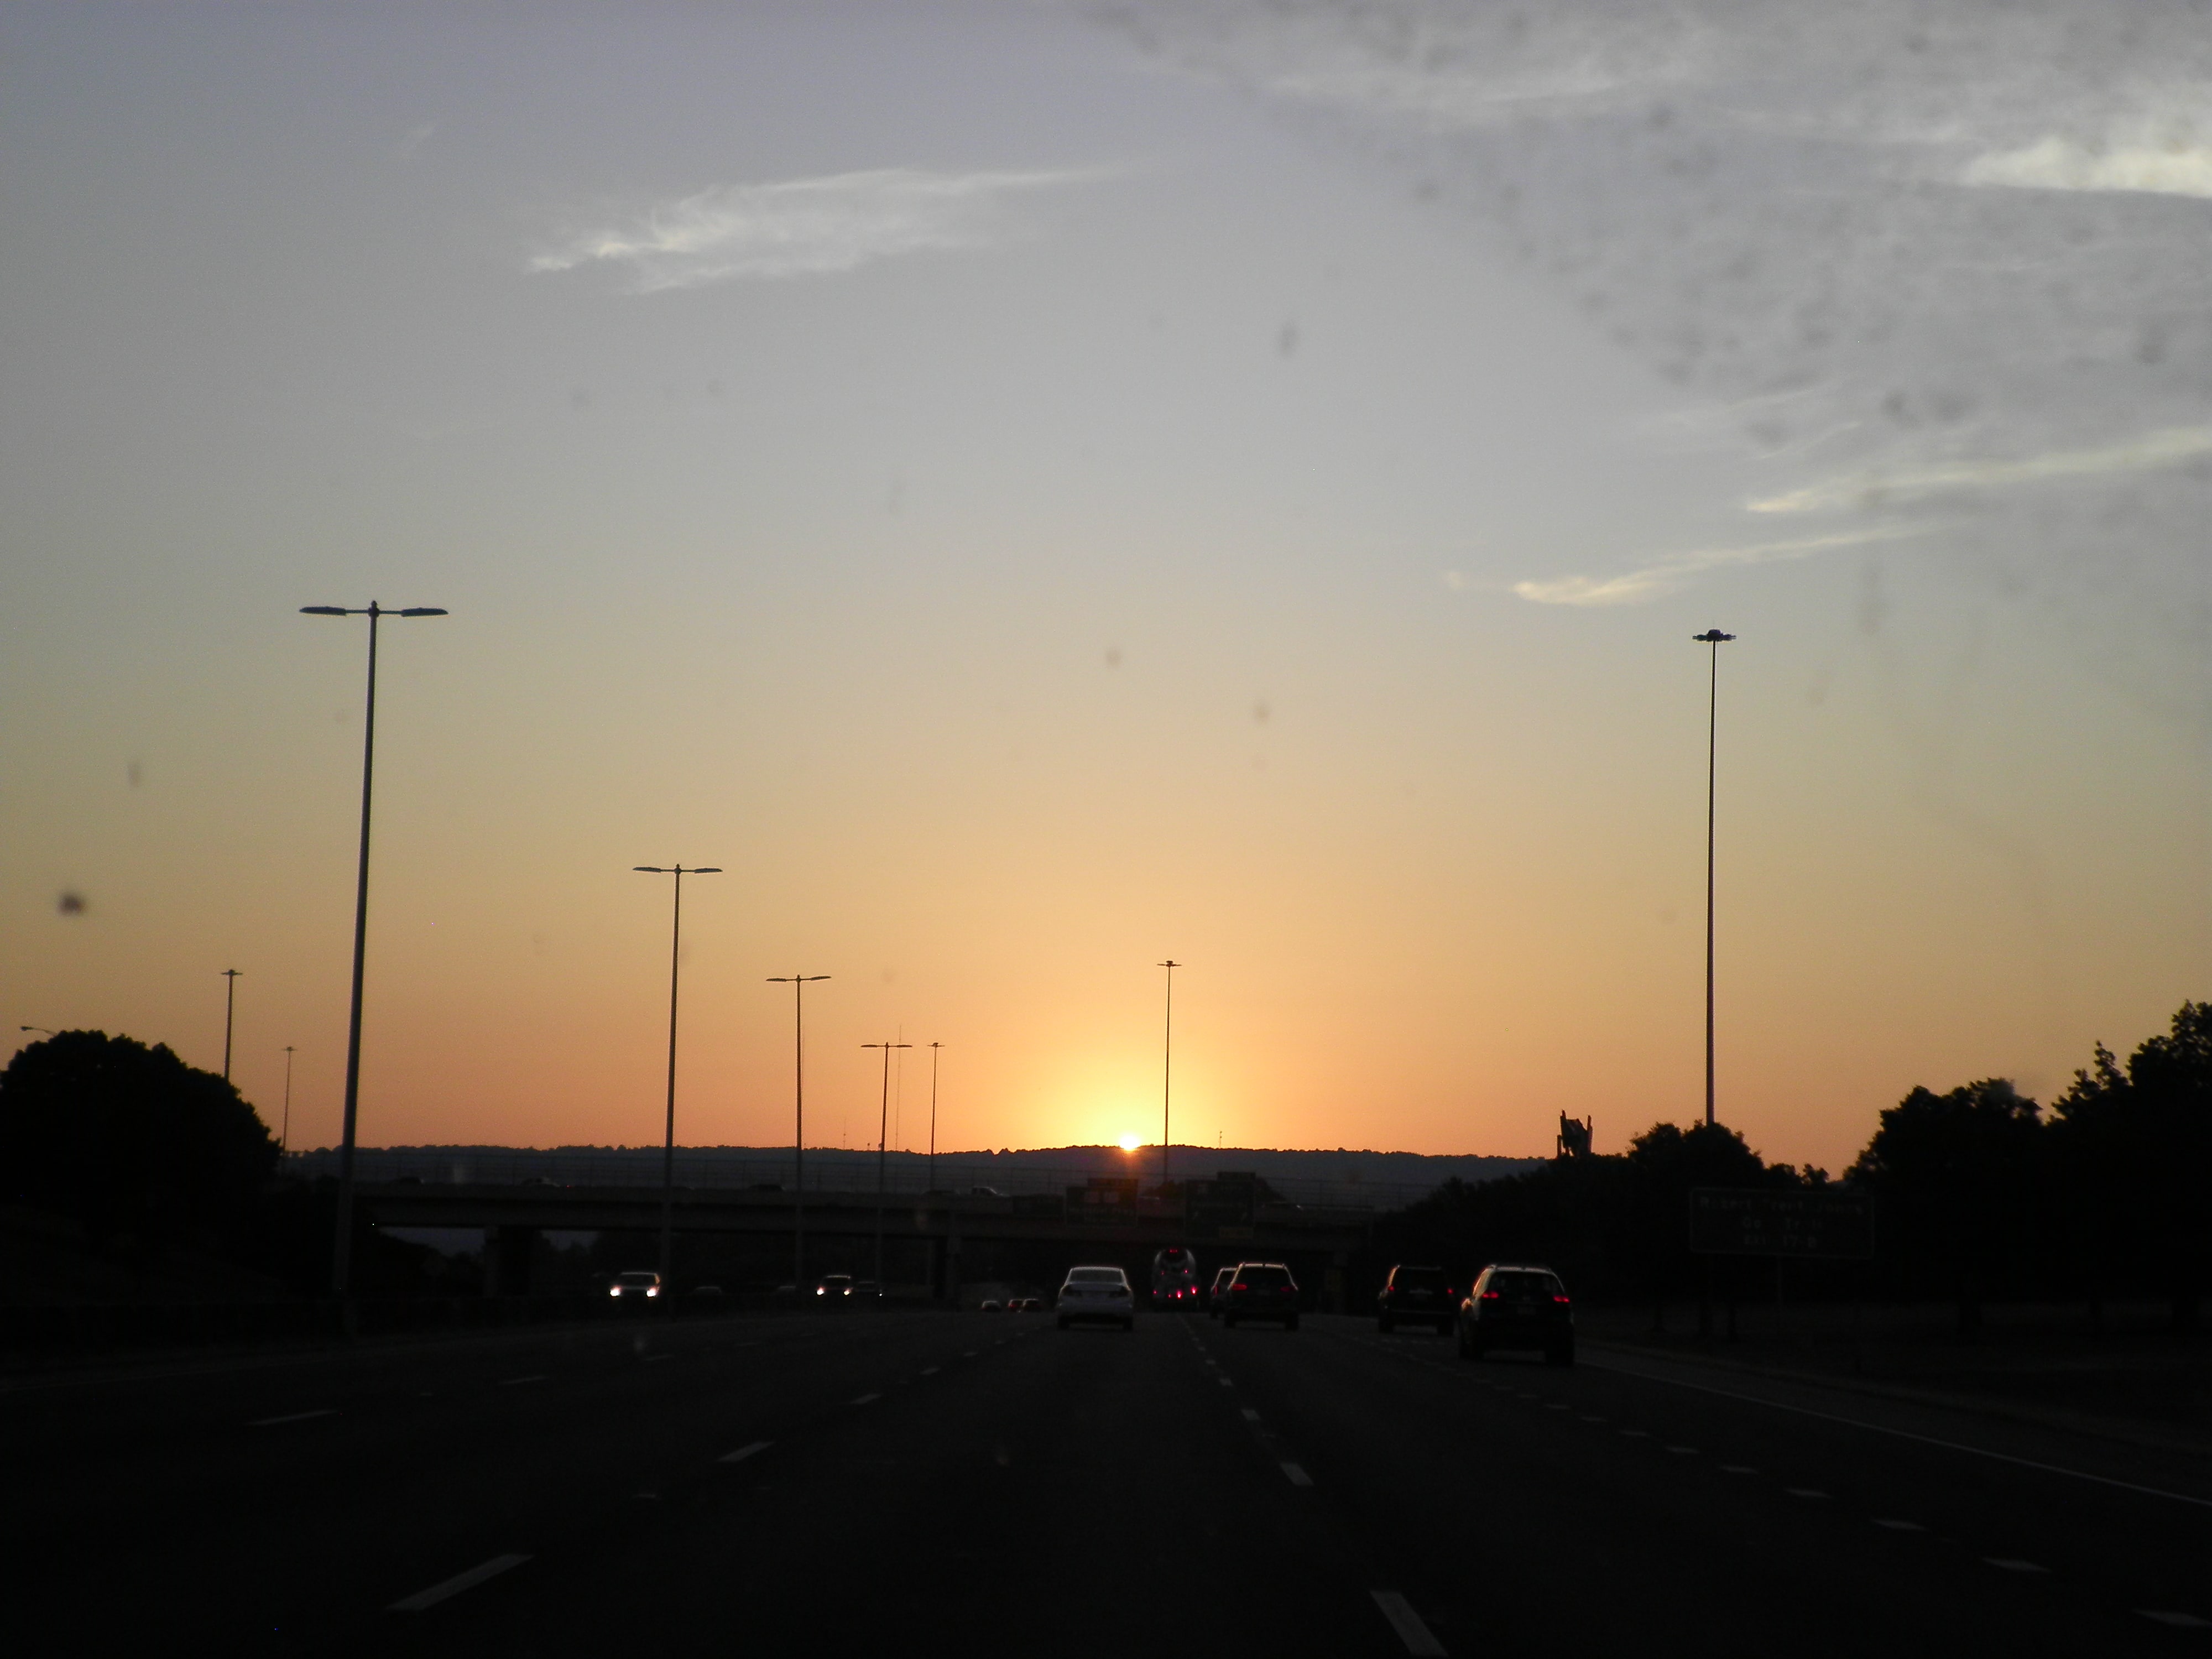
x,y
1098,1293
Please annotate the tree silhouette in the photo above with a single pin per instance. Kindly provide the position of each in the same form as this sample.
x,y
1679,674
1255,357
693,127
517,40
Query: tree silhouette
x,y
1955,1175
132,1142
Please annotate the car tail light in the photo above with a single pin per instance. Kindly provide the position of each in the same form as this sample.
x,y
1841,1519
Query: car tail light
x,y
1491,1296
1240,1286
1562,1300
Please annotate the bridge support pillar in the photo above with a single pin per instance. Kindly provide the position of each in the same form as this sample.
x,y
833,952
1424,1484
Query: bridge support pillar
x,y
506,1254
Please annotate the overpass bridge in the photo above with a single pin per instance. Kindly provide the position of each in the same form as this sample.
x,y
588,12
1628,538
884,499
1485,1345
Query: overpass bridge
x,y
514,1213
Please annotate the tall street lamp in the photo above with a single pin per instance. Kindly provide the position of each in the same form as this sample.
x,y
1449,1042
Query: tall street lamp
x,y
883,1125
799,983
1167,1075
668,1144
229,1006
342,1248
1714,638
284,1138
934,1048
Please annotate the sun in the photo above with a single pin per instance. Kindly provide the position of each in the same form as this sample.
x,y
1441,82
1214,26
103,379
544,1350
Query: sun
x,y
1130,1143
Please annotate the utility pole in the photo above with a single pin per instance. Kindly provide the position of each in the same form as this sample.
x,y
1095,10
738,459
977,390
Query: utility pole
x,y
1167,1076
1716,638
229,1007
668,1145
799,983
882,1127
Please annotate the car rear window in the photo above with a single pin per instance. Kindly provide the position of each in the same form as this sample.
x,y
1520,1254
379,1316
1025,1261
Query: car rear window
x,y
1264,1278
1525,1284
1095,1276
1418,1279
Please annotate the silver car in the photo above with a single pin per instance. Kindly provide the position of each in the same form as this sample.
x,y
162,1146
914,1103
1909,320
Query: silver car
x,y
1100,1295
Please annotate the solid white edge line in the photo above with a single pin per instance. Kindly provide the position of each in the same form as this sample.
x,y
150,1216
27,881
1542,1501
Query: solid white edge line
x,y
744,1452
1416,1635
1907,1434
455,1585
867,1400
1297,1476
2178,1620
293,1416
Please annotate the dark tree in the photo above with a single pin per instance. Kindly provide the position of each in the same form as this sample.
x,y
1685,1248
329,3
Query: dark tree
x,y
132,1142
2136,1178
1955,1175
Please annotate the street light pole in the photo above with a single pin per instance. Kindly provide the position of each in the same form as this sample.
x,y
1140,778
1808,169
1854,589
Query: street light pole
x,y
883,1125
1167,1075
1716,638
799,983
933,1049
668,1143
285,1140
342,1245
229,1006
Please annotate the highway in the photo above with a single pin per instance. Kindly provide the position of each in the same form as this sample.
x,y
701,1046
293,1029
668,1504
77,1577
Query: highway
x,y
939,1482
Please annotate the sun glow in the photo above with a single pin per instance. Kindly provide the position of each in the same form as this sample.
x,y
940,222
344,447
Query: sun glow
x,y
1130,1143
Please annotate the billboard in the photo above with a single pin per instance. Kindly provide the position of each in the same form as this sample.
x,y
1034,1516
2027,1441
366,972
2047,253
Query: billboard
x,y
1759,1221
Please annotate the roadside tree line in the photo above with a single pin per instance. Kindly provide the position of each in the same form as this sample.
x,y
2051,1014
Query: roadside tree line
x,y
1979,1193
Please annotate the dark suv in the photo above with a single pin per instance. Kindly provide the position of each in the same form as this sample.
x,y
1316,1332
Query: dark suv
x,y
1262,1290
1517,1307
1416,1296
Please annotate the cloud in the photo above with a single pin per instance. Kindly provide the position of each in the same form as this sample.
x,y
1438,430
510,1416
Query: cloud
x,y
798,226
1674,570
2178,166
2169,446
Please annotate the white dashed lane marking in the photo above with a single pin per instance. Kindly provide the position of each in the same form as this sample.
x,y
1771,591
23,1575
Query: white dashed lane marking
x,y
1737,1469
1251,1416
929,1371
867,1400
1805,1491
1407,1623
744,1452
2013,1563
1683,1451
517,1382
1895,1525
292,1417
423,1600
1297,1476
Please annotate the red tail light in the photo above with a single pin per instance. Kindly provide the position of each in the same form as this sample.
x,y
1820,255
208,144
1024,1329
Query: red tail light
x,y
1491,1296
1562,1300
1240,1286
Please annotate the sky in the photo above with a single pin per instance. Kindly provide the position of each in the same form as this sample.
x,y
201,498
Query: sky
x,y
1032,490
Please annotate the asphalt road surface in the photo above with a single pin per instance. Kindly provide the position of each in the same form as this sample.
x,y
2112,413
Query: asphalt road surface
x,y
936,1483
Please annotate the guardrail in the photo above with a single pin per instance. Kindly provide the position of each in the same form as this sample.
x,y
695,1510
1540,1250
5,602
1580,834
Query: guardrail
x,y
826,1175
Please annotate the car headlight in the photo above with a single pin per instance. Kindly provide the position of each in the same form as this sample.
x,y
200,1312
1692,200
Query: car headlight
x,y
614,1290
653,1290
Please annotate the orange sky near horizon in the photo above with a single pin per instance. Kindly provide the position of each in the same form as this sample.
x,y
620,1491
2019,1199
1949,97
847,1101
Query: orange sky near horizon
x,y
1198,538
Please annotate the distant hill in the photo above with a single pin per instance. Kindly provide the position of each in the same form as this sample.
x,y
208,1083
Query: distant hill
x,y
1394,1177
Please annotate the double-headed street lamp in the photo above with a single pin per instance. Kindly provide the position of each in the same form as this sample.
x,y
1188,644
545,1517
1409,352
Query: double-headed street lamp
x,y
342,1248
1167,1076
799,983
1716,638
668,1144
882,1129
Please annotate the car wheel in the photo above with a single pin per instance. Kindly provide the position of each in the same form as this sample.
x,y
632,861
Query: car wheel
x,y
1385,1327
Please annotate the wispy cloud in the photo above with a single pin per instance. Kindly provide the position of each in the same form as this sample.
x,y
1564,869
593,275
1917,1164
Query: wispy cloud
x,y
798,226
1648,581
2180,165
2169,446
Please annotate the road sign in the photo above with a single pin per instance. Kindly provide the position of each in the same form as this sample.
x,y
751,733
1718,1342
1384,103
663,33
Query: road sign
x,y
1222,1207
1103,1198
1759,1221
